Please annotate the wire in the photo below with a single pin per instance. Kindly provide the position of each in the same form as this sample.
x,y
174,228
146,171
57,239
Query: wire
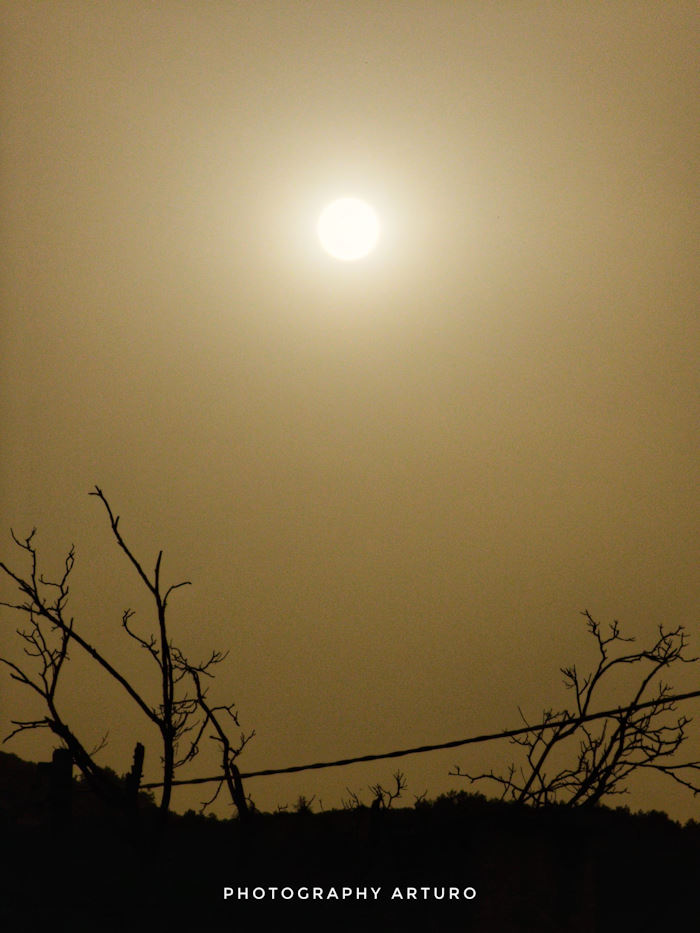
x,y
488,737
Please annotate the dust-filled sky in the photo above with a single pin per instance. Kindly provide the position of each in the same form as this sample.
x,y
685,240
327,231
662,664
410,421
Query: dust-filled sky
x,y
394,483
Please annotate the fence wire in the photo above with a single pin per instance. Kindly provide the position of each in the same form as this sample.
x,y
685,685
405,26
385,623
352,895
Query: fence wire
x,y
421,749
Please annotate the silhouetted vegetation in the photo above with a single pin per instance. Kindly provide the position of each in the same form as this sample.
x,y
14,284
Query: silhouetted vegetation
x,y
600,754
182,713
548,869
547,856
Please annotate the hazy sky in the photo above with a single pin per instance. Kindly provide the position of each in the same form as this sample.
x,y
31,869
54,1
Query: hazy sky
x,y
393,483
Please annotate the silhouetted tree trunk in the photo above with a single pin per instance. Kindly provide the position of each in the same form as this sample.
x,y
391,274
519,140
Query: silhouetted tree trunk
x,y
48,638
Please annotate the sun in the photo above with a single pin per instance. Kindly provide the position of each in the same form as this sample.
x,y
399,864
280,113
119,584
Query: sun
x,y
348,229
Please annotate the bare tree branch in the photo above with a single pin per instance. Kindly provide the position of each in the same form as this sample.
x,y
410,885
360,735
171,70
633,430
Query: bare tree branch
x,y
50,633
633,737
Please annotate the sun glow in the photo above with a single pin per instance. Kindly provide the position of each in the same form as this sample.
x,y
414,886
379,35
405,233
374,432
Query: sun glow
x,y
348,229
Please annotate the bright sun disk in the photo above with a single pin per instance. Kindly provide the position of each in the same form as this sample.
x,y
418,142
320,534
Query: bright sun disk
x,y
348,229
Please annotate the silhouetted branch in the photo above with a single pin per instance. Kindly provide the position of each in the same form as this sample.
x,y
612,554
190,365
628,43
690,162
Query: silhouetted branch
x,y
37,607
384,798
629,738
51,633
214,716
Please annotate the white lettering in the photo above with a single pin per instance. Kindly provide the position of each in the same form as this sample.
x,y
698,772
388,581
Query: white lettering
x,y
305,893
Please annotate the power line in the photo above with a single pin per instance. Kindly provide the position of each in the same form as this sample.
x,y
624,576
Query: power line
x,y
399,753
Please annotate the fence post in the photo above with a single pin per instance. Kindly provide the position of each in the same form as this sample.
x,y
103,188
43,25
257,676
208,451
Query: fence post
x,y
133,780
60,786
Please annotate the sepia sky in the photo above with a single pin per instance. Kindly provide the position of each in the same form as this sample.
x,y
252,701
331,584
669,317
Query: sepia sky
x,y
394,483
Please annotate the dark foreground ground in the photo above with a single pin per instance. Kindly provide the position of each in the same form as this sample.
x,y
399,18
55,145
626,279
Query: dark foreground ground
x,y
510,869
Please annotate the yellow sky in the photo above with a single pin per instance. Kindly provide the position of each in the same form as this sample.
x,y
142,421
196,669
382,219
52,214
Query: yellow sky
x,y
394,483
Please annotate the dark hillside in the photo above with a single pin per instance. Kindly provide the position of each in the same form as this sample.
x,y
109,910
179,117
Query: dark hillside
x,y
509,868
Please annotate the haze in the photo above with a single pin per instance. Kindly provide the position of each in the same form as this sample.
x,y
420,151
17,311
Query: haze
x,y
396,483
